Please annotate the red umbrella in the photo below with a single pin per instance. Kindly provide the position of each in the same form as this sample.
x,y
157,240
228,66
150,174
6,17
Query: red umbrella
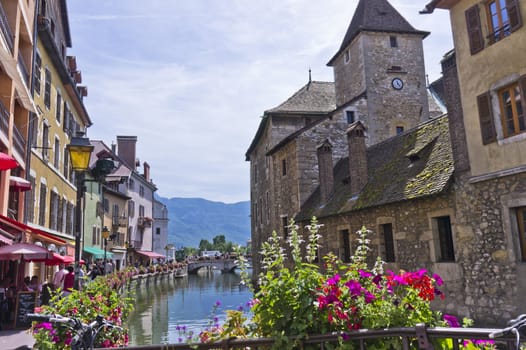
x,y
7,162
24,251
62,259
19,184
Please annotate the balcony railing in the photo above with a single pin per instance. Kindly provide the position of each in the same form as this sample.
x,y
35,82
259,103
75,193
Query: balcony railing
x,y
418,337
6,30
18,141
4,118
23,69
119,221
136,244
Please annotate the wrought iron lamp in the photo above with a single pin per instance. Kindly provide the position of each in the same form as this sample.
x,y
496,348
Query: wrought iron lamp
x,y
79,152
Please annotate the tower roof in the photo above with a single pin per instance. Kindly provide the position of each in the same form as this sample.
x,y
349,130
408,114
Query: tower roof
x,y
376,16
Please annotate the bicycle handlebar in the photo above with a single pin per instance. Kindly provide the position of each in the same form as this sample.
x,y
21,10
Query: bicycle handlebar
x,y
50,318
514,326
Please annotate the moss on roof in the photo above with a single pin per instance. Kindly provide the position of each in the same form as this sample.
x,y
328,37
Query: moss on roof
x,y
415,164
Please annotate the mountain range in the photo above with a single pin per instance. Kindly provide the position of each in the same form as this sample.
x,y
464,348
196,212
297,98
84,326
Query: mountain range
x,y
193,219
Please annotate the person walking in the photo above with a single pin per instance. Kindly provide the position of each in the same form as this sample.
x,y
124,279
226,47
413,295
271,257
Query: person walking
x,y
69,281
58,278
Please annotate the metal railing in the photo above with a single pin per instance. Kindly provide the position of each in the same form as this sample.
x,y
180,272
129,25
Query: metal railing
x,y
19,142
6,30
419,337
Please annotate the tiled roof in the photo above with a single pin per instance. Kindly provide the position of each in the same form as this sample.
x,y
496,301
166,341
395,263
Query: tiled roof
x,y
416,164
316,97
376,16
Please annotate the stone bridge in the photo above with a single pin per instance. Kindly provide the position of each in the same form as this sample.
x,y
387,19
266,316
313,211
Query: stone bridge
x,y
225,265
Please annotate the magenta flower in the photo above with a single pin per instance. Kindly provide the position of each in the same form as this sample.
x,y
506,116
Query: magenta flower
x,y
354,287
451,320
334,280
364,274
438,279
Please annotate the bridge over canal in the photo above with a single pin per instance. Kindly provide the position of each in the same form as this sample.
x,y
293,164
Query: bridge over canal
x,y
224,265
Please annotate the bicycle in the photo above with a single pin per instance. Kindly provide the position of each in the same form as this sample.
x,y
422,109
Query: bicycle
x,y
514,328
85,334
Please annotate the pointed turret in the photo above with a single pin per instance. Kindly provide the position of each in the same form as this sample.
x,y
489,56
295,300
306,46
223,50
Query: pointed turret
x,y
376,16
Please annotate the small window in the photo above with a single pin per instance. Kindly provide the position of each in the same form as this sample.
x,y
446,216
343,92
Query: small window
x,y
445,239
157,230
141,191
347,56
399,130
58,112
350,117
283,167
393,41
285,227
521,222
503,18
132,185
56,154
37,73
388,252
47,89
346,241
512,110
106,205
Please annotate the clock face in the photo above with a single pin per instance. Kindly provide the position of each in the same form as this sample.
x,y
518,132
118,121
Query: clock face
x,y
397,83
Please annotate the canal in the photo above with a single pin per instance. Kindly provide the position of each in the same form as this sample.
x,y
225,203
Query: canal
x,y
168,310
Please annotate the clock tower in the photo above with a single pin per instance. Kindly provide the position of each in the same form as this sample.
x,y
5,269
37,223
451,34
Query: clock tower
x,y
379,72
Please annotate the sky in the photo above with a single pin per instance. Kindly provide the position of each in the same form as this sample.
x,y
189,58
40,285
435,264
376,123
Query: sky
x,y
192,78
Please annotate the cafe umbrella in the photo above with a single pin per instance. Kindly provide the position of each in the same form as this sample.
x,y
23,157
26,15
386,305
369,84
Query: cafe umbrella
x,y
24,252
7,162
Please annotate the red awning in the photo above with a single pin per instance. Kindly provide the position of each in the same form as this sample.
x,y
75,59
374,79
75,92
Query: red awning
x,y
7,162
151,255
19,184
24,228
62,259
5,240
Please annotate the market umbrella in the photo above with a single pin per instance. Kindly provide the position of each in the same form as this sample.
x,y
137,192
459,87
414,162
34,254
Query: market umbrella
x,y
58,259
19,184
25,252
7,162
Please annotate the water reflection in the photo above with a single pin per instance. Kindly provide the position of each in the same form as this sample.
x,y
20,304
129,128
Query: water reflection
x,y
163,307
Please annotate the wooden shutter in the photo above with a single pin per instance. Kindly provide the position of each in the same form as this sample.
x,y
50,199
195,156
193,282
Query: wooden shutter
x,y
476,41
522,86
515,14
487,126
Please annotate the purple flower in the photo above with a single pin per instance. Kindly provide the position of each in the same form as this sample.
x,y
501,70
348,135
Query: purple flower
x,y
451,320
438,280
218,304
369,297
334,280
354,287
364,274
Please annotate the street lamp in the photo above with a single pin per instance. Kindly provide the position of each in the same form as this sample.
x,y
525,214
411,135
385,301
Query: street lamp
x,y
79,152
105,234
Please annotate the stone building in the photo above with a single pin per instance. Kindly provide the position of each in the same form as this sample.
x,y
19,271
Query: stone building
x,y
486,77
379,63
444,193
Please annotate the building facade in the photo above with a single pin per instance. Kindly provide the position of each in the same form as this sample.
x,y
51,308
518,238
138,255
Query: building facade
x,y
444,193
160,229
490,69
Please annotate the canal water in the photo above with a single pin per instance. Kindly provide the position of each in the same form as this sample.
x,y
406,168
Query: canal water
x,y
167,311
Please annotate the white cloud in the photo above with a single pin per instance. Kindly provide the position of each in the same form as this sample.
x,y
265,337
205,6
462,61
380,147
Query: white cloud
x,y
191,79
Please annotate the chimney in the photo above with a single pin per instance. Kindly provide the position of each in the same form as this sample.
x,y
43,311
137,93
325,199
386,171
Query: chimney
x,y
146,171
357,157
325,169
126,148
457,130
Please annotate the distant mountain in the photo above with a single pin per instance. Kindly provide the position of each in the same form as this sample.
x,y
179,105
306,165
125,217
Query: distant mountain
x,y
193,219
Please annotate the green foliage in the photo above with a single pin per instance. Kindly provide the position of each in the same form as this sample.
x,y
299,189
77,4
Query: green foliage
x,y
98,297
298,298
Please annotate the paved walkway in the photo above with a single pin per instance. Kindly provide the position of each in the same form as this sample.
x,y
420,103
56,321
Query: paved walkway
x,y
16,339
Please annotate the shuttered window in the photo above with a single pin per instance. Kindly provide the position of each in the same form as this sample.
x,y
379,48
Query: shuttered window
x,y
487,125
515,15
476,40
511,100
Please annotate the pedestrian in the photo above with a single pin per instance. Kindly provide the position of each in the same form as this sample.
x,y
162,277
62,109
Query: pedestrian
x,y
58,278
69,281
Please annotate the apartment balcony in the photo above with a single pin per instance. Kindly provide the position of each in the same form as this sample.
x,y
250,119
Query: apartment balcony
x,y
144,221
23,69
19,142
4,119
6,30
119,221
136,244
